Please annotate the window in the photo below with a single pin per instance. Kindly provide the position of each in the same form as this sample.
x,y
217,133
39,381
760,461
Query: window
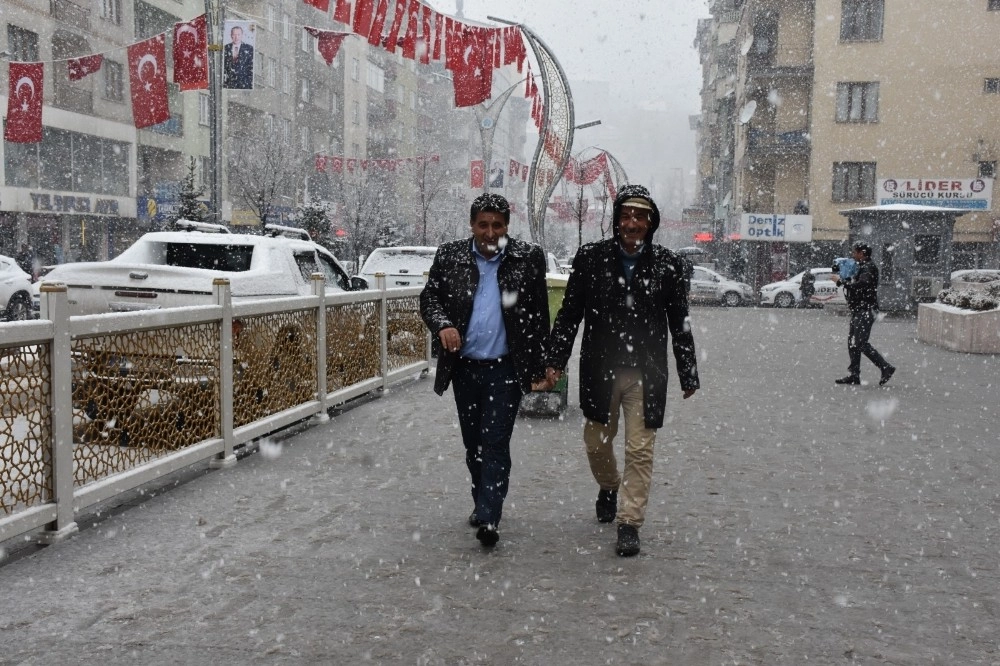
x,y
270,123
853,181
861,20
22,44
857,102
993,5
987,170
114,82
70,162
111,11
270,16
306,43
286,130
413,100
272,72
926,249
355,148
376,77
286,26
991,86
304,92
355,69
334,102
304,142
286,80
203,113
355,113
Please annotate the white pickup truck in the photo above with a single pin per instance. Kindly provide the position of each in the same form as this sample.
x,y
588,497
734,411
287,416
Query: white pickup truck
x,y
176,268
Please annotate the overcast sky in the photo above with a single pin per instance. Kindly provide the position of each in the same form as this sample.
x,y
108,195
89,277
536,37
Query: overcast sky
x,y
644,49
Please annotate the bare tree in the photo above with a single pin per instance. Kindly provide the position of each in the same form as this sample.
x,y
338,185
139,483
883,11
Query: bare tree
x,y
367,203
431,183
262,168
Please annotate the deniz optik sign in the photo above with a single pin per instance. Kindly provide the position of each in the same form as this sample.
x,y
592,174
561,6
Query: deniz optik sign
x,y
966,193
776,228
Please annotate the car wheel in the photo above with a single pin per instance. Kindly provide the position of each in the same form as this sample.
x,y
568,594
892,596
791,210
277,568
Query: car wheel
x,y
19,309
784,300
731,299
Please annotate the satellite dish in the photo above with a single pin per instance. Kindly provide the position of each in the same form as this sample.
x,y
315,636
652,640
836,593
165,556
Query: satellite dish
x,y
747,113
747,43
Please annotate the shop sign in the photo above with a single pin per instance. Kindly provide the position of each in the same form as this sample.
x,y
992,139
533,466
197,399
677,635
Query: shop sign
x,y
776,228
967,193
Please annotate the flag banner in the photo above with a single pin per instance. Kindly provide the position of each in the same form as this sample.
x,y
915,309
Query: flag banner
x,y
191,54
321,163
473,75
424,42
513,48
375,34
476,174
496,44
239,39
592,169
24,103
363,10
496,175
364,165
351,163
410,38
337,164
452,46
438,35
342,13
514,168
81,67
327,42
435,158
392,39
147,70
524,173
322,5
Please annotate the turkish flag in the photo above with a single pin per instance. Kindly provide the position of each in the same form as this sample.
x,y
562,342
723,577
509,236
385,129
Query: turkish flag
x,y
338,164
363,10
438,34
513,47
410,38
478,177
425,40
568,171
147,70
513,170
328,42
24,103
342,13
351,162
473,73
392,39
81,67
496,44
322,5
524,173
321,163
375,34
191,54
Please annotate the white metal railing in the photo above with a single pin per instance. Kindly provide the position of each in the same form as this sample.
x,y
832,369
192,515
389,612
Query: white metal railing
x,y
40,452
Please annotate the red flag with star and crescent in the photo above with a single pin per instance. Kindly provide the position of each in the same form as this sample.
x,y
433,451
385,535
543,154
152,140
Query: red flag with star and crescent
x,y
147,69
477,173
191,54
81,67
24,103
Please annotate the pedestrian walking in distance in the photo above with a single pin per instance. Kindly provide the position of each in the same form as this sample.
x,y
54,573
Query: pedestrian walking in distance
x,y
631,296
861,292
807,288
486,303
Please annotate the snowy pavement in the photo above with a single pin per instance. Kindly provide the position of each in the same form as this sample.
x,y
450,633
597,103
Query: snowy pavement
x,y
791,521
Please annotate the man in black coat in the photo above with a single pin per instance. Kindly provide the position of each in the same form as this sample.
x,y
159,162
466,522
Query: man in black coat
x,y
237,62
486,303
861,292
632,296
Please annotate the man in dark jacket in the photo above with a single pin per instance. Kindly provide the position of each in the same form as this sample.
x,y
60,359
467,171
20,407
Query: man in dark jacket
x,y
633,299
486,302
861,292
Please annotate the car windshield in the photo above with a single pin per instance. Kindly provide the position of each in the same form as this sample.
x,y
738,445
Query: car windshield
x,y
234,258
399,261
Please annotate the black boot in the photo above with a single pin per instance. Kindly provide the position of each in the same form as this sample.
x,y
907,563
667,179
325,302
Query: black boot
x,y
607,505
628,540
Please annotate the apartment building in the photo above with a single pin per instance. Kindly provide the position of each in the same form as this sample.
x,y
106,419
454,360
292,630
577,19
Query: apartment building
x,y
812,107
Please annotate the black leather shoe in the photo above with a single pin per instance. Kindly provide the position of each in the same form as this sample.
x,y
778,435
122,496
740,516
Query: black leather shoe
x,y
473,521
628,541
607,505
849,379
886,375
488,535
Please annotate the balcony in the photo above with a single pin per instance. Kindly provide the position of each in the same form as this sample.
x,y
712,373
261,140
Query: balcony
x,y
797,64
70,13
71,98
763,143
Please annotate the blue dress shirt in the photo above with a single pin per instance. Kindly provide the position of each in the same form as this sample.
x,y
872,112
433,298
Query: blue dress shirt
x,y
486,337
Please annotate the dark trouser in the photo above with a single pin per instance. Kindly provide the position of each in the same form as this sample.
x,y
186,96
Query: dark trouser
x,y
857,342
487,397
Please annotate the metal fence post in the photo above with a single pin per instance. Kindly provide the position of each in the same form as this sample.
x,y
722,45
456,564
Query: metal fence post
x,y
55,308
319,289
223,297
428,337
383,324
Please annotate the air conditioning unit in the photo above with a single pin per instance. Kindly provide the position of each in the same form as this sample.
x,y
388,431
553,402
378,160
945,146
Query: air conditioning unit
x,y
925,288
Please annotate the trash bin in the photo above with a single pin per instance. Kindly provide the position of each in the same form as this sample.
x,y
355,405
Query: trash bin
x,y
550,403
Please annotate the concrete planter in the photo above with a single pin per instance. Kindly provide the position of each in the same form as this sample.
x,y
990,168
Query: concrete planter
x,y
959,330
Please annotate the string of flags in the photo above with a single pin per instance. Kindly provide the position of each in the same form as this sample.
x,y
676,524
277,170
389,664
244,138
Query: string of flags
x,y
470,52
339,163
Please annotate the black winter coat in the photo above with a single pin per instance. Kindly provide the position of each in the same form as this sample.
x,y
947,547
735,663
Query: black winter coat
x,y
651,308
861,291
447,297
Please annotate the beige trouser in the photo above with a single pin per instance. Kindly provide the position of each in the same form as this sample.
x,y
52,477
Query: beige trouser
x,y
633,485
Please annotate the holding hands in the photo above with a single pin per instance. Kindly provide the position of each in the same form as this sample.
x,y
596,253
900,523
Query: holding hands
x,y
552,377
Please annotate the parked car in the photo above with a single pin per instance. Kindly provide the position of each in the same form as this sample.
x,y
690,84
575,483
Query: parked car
x,y
707,286
166,269
403,266
788,293
15,291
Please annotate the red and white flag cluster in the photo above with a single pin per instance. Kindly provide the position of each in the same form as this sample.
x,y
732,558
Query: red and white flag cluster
x,y
340,164
518,170
587,172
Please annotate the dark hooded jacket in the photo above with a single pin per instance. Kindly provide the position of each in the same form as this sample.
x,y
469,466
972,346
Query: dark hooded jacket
x,y
861,291
648,312
447,298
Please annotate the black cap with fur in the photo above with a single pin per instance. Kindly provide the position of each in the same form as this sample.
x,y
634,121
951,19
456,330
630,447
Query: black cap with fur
x,y
632,192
